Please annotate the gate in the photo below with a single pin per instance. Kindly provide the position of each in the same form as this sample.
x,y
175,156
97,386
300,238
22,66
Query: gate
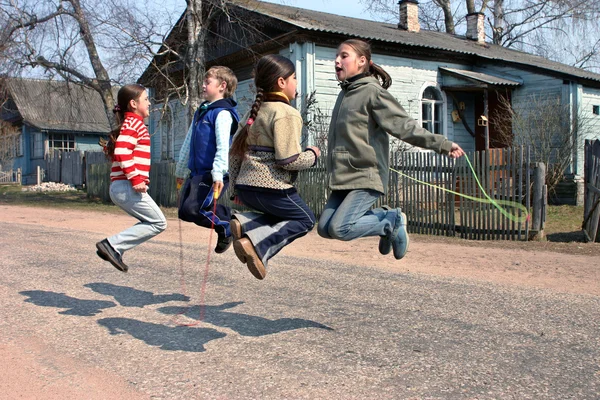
x,y
591,207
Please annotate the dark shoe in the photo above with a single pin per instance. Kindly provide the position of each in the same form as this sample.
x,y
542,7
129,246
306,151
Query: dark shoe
x,y
223,243
236,228
106,252
244,250
385,242
400,242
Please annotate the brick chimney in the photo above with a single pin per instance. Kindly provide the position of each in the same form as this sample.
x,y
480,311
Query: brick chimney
x,y
476,27
409,15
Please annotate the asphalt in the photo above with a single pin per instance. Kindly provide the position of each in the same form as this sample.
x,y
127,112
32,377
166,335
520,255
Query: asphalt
x,y
310,330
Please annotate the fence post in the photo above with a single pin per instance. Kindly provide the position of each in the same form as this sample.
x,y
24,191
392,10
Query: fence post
x,y
39,175
538,205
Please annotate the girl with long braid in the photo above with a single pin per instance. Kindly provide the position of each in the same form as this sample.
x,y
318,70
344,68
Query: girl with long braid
x,y
129,150
264,159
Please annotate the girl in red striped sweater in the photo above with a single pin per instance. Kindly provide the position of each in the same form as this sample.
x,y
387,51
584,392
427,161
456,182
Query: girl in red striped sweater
x,y
129,150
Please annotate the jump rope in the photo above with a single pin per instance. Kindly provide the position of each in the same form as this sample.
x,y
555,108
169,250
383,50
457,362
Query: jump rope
x,y
520,214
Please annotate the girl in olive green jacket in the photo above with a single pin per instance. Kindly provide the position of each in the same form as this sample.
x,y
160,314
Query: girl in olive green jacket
x,y
358,152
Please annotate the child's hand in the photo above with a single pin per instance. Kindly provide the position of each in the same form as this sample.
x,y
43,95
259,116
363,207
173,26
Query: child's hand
x,y
315,149
140,188
456,151
217,188
179,183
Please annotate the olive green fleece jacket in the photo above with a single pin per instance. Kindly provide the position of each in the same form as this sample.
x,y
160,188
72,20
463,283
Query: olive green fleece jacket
x,y
358,143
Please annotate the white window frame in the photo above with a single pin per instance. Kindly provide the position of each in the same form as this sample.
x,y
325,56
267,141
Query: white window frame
x,y
443,104
63,138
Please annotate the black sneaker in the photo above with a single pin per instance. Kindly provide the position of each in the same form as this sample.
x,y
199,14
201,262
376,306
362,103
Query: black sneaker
x,y
106,252
223,243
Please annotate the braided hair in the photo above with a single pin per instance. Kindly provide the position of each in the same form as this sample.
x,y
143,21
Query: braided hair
x,y
267,72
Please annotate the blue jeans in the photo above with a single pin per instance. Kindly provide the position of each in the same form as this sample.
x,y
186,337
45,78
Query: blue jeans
x,y
348,215
140,206
284,218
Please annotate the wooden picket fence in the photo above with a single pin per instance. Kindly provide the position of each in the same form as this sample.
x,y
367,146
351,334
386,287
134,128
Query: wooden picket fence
x,y
591,201
504,174
12,176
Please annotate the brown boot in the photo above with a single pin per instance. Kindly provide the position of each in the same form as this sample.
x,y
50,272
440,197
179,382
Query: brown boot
x,y
236,228
244,250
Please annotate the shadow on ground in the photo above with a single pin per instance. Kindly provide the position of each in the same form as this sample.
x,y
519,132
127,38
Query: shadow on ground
x,y
182,338
130,297
244,324
74,306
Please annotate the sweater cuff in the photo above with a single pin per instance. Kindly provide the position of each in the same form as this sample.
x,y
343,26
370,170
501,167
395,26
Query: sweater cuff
x,y
446,147
316,156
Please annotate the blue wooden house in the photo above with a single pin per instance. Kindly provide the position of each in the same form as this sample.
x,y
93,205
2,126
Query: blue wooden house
x,y
452,84
51,115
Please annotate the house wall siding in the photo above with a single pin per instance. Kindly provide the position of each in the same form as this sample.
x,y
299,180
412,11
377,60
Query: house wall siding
x,y
591,122
409,78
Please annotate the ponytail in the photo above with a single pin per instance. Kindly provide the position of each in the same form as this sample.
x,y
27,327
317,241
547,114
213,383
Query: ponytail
x,y
379,73
125,95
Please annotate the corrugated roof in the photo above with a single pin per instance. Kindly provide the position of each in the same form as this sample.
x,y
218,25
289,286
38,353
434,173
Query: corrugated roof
x,y
480,77
384,32
59,106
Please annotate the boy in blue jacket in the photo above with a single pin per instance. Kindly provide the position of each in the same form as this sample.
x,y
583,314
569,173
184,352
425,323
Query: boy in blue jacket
x,y
203,158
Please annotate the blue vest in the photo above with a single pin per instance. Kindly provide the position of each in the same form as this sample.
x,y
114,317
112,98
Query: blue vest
x,y
203,146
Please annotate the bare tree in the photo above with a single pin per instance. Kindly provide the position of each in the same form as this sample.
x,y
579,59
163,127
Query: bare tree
x,y
544,125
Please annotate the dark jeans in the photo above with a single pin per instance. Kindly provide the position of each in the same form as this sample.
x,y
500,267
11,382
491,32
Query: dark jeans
x,y
196,204
284,218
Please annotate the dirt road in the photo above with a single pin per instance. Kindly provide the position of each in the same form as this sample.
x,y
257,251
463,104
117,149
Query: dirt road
x,y
31,368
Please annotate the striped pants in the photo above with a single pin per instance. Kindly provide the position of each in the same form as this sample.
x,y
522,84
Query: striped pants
x,y
283,218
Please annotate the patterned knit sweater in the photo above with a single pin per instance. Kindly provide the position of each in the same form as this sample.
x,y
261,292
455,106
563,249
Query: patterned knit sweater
x,y
274,155
132,152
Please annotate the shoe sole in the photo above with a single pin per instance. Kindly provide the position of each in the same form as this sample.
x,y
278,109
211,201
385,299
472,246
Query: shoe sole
x,y
255,266
407,239
103,254
236,229
385,244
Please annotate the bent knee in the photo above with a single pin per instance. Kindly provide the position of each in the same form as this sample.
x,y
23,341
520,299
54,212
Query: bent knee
x,y
161,226
339,232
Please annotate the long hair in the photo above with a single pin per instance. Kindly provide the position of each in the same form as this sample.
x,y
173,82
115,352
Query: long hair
x,y
124,97
363,48
267,72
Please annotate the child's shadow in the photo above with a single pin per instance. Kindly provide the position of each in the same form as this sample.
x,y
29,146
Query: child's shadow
x,y
130,297
244,324
83,308
167,338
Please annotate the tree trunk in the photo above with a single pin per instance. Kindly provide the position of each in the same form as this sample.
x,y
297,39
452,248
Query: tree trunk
x,y
102,82
448,17
194,62
470,6
498,21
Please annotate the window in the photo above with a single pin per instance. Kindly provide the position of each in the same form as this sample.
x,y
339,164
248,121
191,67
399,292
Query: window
x,y
432,110
596,110
19,145
37,145
61,141
166,136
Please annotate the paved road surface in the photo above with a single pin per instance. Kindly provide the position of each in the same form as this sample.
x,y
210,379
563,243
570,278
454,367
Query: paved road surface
x,y
74,327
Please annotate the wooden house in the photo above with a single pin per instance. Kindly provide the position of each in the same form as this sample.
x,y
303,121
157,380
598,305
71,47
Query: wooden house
x,y
48,116
453,85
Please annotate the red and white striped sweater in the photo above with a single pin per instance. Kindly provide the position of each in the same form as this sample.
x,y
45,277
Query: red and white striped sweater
x,y
132,152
